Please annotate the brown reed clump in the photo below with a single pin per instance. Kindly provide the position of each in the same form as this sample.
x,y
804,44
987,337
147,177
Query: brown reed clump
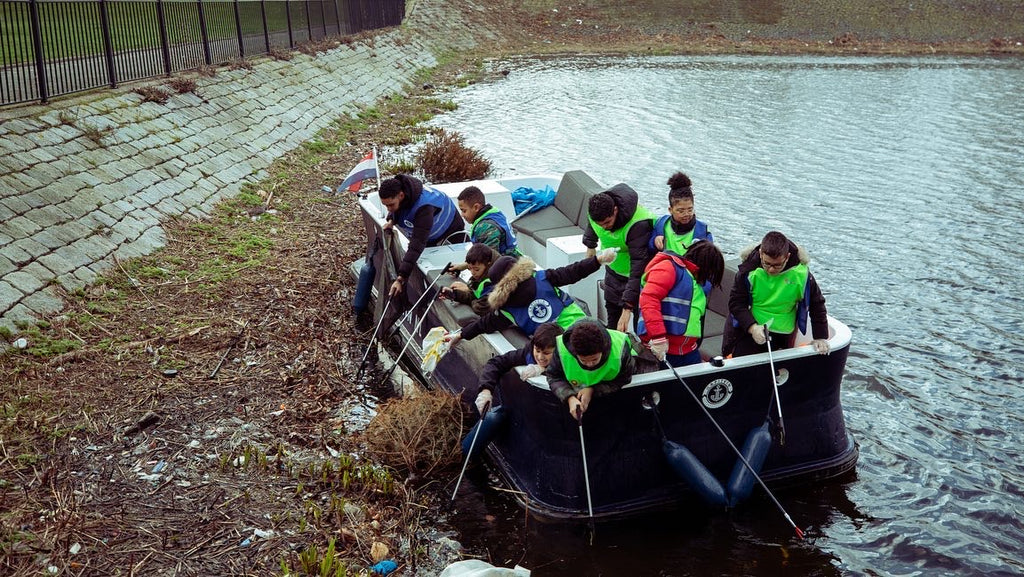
x,y
182,85
153,94
417,434
446,158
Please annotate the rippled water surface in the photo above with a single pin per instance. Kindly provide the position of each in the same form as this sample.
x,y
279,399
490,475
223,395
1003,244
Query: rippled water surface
x,y
904,178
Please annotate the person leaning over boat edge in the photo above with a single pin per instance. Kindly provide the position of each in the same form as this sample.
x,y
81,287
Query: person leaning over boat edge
x,y
479,259
535,357
525,297
590,360
487,225
680,228
774,286
617,220
426,216
673,301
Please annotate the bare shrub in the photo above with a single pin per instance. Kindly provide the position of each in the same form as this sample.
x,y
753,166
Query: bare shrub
x,y
207,71
182,85
239,64
417,434
446,158
152,94
280,54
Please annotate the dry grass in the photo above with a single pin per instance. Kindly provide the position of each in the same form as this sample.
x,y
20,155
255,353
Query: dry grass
x,y
153,94
182,85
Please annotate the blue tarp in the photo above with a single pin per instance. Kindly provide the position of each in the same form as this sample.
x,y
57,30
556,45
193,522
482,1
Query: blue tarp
x,y
527,200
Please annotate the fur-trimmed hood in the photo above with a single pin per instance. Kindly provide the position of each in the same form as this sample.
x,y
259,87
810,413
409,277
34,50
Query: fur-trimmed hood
x,y
750,257
514,281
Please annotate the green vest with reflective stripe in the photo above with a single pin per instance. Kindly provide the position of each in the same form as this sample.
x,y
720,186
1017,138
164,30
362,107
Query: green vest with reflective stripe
x,y
776,297
617,238
580,377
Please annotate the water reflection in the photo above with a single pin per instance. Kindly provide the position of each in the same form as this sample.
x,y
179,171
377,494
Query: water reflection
x,y
903,181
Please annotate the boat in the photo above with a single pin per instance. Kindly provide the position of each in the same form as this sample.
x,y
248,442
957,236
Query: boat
x,y
537,450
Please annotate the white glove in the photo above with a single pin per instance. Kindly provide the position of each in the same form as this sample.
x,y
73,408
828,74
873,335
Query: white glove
x,y
659,347
530,371
607,255
758,333
483,400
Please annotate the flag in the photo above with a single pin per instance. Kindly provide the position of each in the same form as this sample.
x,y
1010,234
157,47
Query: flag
x,y
367,168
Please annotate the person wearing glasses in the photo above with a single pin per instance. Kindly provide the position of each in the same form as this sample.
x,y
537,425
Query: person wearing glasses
x,y
774,288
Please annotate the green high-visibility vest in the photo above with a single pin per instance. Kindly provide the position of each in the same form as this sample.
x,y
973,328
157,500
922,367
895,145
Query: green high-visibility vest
x,y
617,238
580,377
776,297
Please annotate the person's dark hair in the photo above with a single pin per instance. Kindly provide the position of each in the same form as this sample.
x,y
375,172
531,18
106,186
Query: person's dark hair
x,y
709,261
410,185
587,338
679,187
472,195
601,206
544,336
775,244
389,188
480,253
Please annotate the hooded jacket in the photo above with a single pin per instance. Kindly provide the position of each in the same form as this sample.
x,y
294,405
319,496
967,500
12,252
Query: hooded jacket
x,y
812,303
660,279
422,221
514,285
637,239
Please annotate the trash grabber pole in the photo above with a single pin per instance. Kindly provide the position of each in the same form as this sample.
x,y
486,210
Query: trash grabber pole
x,y
775,387
799,532
405,316
412,336
487,407
586,472
369,345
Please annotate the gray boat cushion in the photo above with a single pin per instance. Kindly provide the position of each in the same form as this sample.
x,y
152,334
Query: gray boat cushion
x,y
567,216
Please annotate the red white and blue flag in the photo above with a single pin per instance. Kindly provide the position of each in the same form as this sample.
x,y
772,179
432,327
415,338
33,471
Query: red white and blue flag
x,y
367,168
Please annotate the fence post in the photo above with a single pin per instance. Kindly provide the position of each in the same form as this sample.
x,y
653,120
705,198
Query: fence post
x,y
266,29
323,18
165,46
288,18
337,16
108,43
203,34
238,28
37,46
309,23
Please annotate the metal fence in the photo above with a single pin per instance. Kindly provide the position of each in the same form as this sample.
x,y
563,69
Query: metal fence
x,y
54,47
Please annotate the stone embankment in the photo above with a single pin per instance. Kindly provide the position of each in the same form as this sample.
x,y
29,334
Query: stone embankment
x,y
87,180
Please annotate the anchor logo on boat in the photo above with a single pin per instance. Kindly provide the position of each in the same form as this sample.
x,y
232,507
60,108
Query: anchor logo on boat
x,y
717,393
540,311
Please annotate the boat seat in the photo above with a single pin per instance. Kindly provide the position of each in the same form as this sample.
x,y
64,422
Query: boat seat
x,y
567,216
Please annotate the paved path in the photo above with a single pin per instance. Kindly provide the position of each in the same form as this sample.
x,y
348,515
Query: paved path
x,y
68,206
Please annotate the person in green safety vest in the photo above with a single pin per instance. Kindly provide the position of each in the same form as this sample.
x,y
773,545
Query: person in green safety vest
x,y
487,224
774,287
617,220
590,360
680,228
479,259
526,298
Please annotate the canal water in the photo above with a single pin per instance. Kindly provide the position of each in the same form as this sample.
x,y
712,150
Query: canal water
x,y
904,179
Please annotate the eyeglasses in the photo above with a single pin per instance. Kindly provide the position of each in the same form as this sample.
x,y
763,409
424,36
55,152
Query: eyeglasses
x,y
773,265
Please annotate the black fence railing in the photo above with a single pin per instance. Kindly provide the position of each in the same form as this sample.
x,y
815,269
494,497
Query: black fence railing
x,y
54,47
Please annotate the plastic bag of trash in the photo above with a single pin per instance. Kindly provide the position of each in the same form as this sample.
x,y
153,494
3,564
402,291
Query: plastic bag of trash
x,y
434,347
478,568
